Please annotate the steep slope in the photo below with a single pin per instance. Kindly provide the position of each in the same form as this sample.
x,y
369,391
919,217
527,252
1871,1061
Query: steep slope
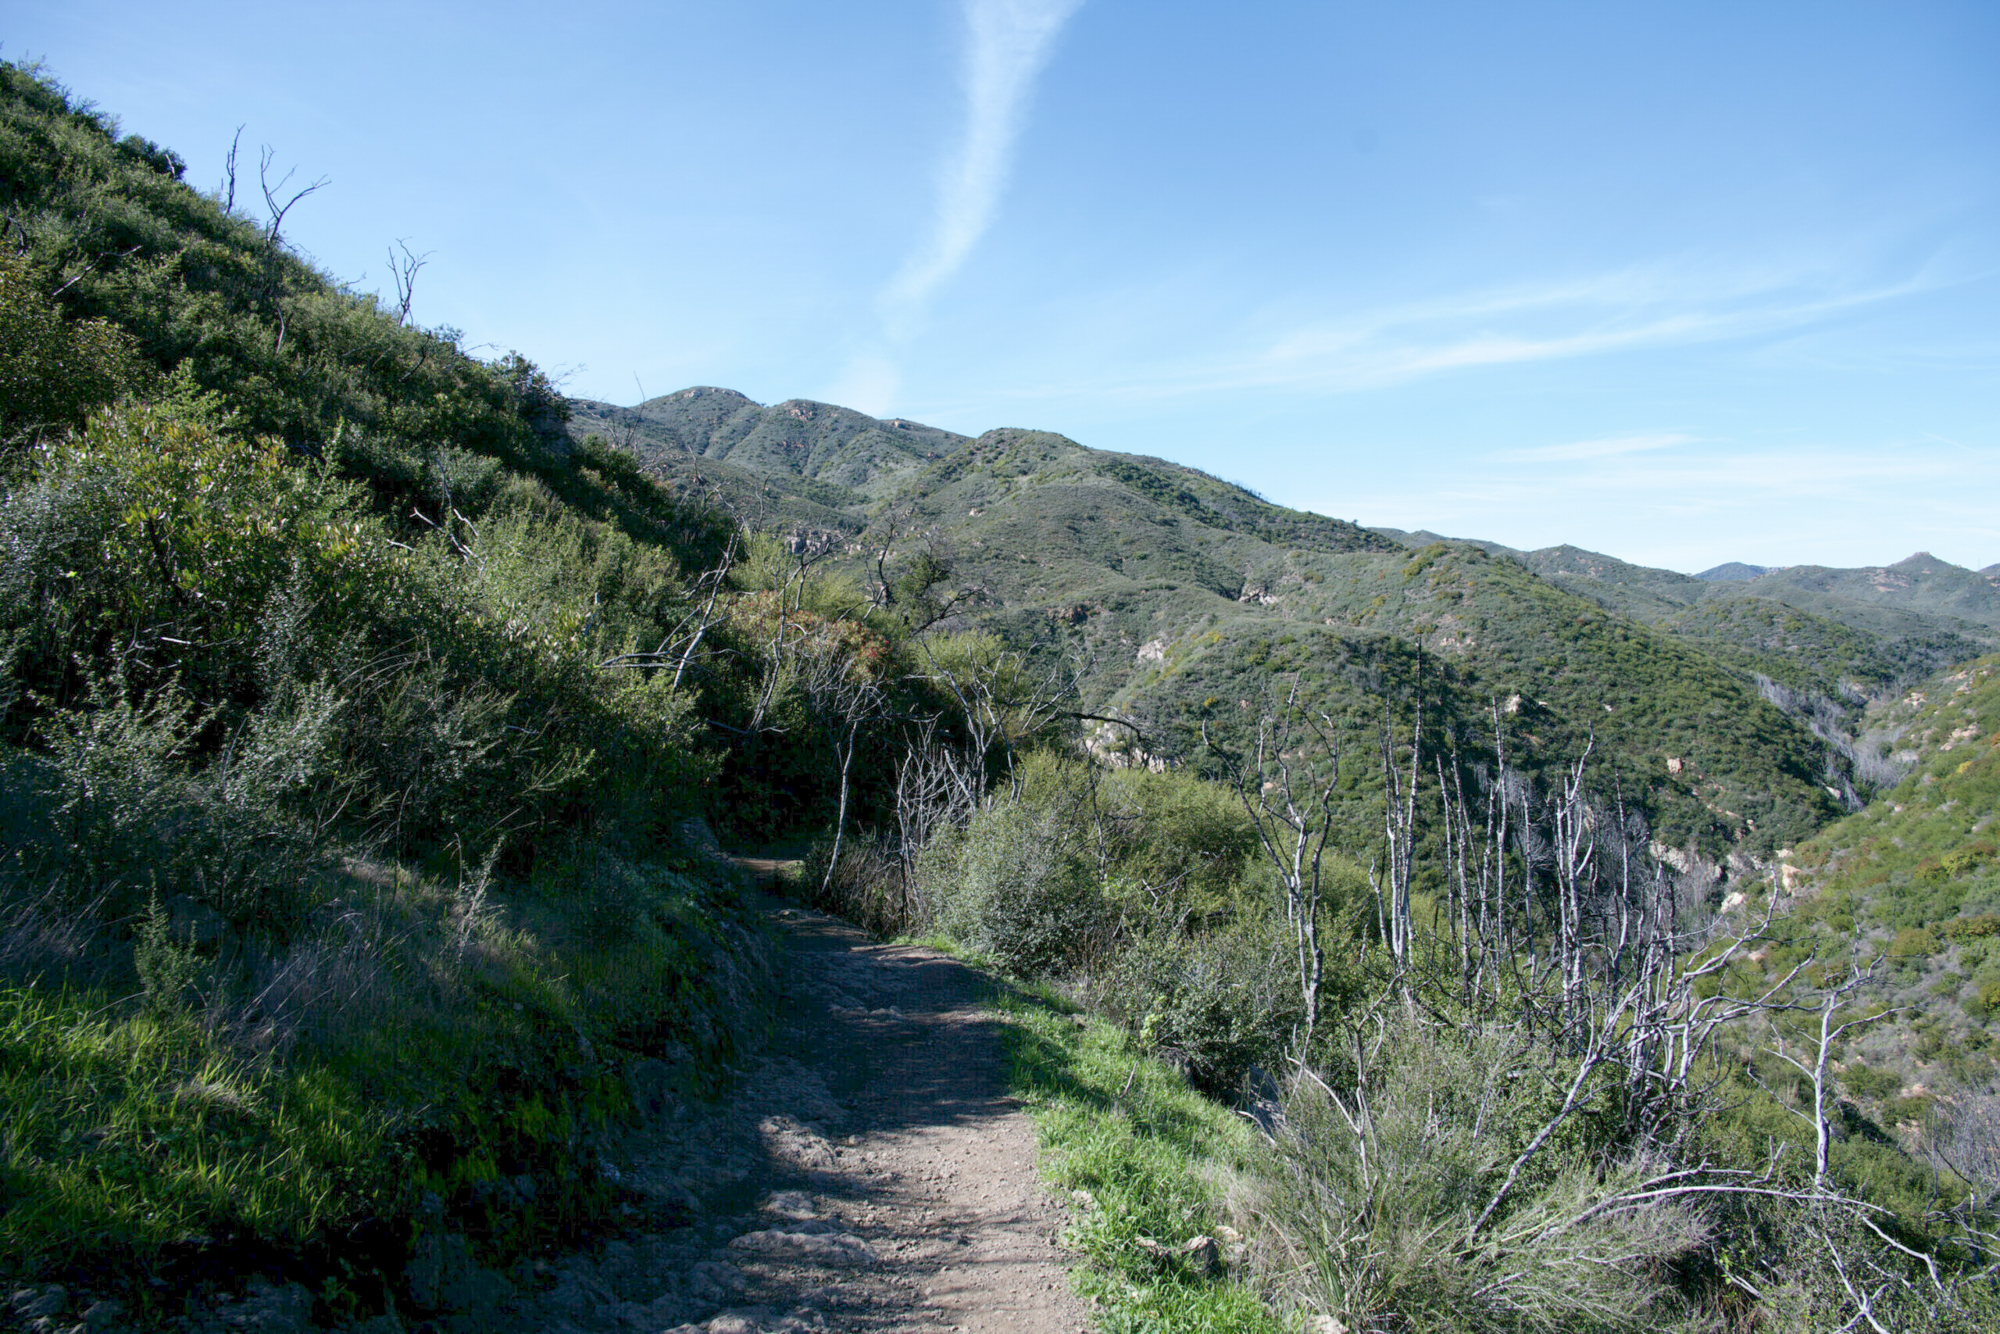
x,y
1817,642
340,872
1916,877
1716,766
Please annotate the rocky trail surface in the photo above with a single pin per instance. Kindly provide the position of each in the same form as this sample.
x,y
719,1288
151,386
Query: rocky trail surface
x,y
869,1173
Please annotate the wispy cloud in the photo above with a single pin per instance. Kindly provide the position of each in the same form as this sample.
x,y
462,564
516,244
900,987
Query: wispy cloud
x,y
1007,42
1670,302
1609,447
1612,312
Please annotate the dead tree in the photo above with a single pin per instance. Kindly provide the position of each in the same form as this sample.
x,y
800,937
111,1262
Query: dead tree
x,y
403,272
228,187
1287,789
1399,825
937,788
1820,1047
1005,698
844,697
683,641
274,240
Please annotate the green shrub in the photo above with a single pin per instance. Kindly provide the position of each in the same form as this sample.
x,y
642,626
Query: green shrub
x,y
1912,942
1015,887
129,818
53,371
1380,1175
1215,1004
167,968
1177,839
1865,1082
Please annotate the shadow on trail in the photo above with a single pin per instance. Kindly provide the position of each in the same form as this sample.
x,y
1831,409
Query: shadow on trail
x,y
872,1170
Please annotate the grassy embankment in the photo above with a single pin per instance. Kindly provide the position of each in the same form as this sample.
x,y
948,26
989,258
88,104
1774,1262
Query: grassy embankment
x,y
342,909
1150,1164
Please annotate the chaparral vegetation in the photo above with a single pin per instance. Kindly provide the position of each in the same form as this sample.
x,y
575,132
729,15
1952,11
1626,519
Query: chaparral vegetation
x,y
1471,939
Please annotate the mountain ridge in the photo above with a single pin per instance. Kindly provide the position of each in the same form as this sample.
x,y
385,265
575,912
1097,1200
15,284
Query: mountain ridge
x,y
1184,590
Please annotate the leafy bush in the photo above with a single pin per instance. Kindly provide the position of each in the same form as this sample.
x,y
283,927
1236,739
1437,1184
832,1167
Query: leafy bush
x,y
1215,1005
1015,887
1381,1176
129,819
53,371
338,767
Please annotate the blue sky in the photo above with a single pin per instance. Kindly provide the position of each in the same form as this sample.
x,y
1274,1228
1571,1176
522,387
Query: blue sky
x,y
1684,282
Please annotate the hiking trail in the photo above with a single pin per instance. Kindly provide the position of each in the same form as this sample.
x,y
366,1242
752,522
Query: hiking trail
x,y
868,1172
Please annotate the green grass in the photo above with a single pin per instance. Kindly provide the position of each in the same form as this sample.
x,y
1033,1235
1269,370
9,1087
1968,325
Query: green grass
x,y
125,1138
142,1137
1156,1159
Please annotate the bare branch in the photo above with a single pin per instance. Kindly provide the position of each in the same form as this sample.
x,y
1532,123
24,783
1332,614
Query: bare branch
x,y
228,187
403,272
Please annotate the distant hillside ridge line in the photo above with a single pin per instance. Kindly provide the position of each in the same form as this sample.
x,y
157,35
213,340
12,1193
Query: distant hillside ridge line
x,y
825,442
825,457
1733,570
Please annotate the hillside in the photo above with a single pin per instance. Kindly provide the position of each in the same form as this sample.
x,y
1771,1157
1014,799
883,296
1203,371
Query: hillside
x,y
1733,570
1184,591
1916,877
797,461
350,803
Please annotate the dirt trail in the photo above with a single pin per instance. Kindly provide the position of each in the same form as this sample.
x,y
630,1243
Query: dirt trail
x,y
870,1173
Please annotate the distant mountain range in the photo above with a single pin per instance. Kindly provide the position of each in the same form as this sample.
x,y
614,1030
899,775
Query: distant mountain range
x,y
1732,699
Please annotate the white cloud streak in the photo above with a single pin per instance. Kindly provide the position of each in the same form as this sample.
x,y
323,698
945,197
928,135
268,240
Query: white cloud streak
x,y
1614,313
1007,43
1667,303
1609,447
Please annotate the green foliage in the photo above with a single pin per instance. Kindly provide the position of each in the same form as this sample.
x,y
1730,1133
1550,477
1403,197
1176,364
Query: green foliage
x,y
1015,887
1214,1005
53,371
341,767
1915,875
166,968
415,1038
1177,841
126,1136
1381,1176
1155,1162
